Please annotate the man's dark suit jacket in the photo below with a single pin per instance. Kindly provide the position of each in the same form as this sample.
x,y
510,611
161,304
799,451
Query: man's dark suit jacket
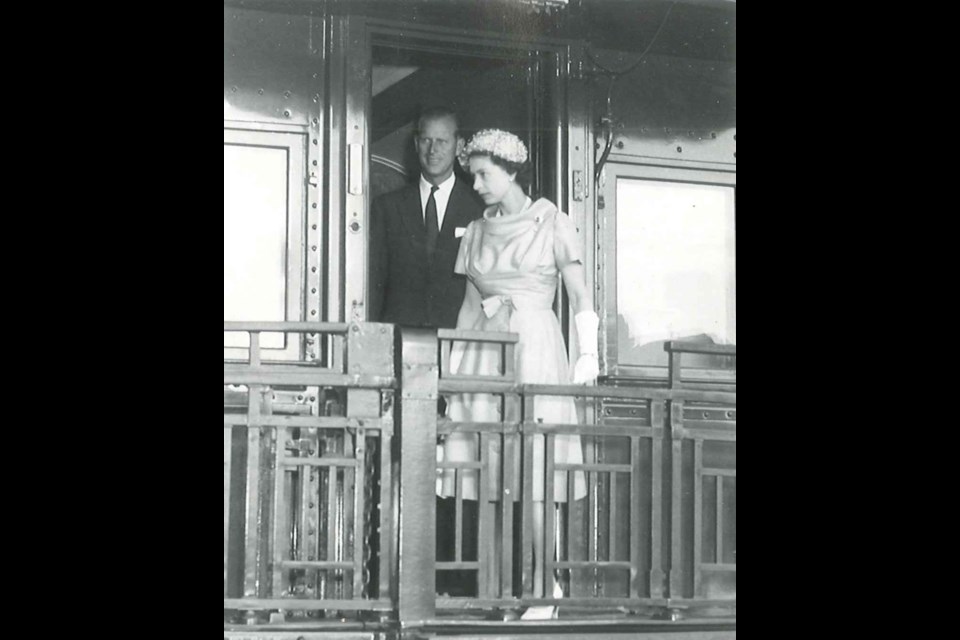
x,y
405,287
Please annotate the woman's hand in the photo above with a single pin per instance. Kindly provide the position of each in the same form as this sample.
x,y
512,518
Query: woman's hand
x,y
587,324
587,369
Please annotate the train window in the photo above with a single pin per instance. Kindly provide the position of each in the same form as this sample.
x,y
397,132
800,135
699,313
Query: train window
x,y
674,273
263,221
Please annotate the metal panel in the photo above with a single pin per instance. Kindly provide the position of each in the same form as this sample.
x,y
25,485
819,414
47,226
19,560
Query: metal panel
x,y
678,110
269,67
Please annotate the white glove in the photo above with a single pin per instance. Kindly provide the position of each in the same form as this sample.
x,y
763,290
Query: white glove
x,y
587,368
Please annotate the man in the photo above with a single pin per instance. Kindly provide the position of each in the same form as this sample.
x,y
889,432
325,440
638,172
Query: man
x,y
414,241
415,233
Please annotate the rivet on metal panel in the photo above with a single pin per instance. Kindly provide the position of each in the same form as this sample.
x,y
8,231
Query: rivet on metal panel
x,y
314,312
314,205
260,91
679,149
713,135
286,113
314,227
234,89
620,145
314,142
313,269
286,94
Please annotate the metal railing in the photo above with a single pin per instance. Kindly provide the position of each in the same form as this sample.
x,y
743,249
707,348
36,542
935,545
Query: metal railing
x,y
335,511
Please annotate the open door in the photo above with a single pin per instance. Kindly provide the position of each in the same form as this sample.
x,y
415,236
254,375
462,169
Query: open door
x,y
389,72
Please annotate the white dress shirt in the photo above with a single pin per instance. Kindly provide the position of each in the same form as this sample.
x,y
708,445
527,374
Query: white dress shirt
x,y
442,197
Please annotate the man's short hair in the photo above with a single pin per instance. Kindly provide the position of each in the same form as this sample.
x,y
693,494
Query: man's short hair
x,y
435,113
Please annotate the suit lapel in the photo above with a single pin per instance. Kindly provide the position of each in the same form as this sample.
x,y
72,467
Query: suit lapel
x,y
411,213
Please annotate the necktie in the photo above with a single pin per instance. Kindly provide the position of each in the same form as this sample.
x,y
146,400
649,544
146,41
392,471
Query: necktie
x,y
432,223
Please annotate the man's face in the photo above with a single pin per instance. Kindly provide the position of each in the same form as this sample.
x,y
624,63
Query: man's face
x,y
437,148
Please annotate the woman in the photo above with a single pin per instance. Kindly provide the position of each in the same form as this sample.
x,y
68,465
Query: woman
x,y
512,258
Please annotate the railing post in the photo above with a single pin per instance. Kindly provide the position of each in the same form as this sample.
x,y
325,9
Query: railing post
x,y
417,412
370,350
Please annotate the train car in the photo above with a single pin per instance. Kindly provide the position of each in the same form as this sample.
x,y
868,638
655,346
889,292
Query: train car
x,y
331,422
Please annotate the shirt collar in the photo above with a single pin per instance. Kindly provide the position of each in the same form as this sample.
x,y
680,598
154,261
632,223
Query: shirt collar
x,y
445,187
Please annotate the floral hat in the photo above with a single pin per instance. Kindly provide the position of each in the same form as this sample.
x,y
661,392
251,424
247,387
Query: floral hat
x,y
495,142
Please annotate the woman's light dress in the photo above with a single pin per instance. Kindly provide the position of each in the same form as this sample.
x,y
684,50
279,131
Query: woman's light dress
x,y
515,262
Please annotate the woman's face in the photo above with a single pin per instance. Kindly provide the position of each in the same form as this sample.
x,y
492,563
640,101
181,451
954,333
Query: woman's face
x,y
491,181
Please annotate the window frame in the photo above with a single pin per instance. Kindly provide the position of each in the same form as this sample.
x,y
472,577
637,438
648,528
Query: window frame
x,y
295,275
613,172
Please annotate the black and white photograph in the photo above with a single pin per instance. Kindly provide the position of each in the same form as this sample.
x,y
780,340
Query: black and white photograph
x,y
480,319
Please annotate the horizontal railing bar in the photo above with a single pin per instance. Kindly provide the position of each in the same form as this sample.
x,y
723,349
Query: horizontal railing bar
x,y
232,366
592,565
725,473
286,327
599,468
675,346
458,566
476,603
538,428
308,422
459,466
307,605
315,566
480,380
452,385
719,568
320,462
625,393
267,377
446,427
458,335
